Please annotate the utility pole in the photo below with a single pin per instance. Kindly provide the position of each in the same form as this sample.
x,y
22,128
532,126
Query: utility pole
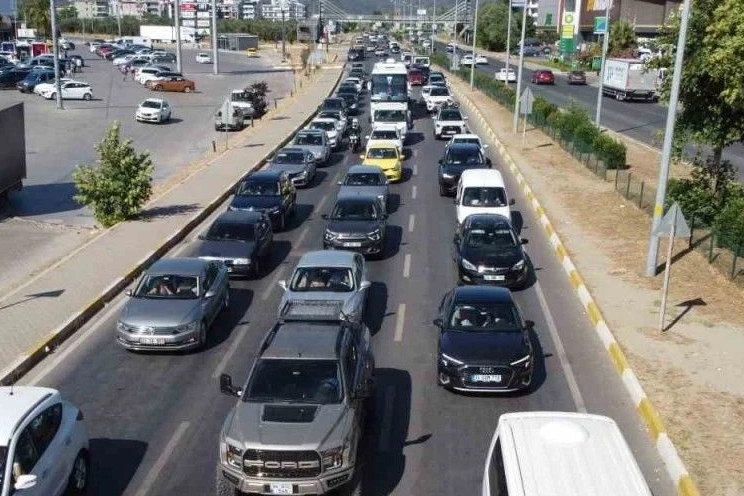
x,y
55,52
453,58
515,123
475,34
118,16
215,52
283,6
508,42
177,19
605,46
666,150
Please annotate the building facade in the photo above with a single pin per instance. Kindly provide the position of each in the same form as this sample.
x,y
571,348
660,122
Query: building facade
x,y
273,10
250,9
91,9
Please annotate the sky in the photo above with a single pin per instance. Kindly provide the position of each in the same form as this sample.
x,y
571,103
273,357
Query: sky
x,y
6,7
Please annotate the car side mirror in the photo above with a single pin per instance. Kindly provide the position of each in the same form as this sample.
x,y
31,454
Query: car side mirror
x,y
130,292
210,294
384,216
485,146
324,216
529,325
455,239
440,161
437,322
489,163
283,284
226,386
340,183
361,156
465,118
24,482
365,285
512,201
524,241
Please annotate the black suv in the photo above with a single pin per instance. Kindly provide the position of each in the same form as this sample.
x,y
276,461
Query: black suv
x,y
334,103
240,239
358,222
457,158
355,54
484,343
267,191
350,97
489,251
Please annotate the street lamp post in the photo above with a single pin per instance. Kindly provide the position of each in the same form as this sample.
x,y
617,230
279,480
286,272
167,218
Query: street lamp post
x,y
55,52
508,43
215,53
453,58
521,69
475,34
118,16
605,46
284,37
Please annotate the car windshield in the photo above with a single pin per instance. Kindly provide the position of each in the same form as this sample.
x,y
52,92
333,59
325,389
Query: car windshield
x,y
479,317
490,238
309,140
346,90
382,154
354,210
450,115
388,134
289,158
484,197
463,157
439,91
472,141
333,105
330,114
168,286
325,126
259,188
364,179
390,116
295,381
150,104
333,279
229,231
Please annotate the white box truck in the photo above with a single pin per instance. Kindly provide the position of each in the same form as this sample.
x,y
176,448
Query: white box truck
x,y
630,79
162,34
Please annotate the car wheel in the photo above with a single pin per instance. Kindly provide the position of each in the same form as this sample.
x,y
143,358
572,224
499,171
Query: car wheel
x,y
257,268
52,96
158,87
87,97
78,481
442,191
202,334
283,222
187,89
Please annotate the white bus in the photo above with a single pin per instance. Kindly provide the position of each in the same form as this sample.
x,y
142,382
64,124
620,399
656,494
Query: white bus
x,y
389,83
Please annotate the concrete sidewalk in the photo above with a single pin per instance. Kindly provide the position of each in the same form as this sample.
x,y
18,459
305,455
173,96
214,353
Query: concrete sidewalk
x,y
39,315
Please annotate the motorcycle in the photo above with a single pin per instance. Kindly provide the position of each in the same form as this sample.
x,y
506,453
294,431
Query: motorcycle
x,y
354,140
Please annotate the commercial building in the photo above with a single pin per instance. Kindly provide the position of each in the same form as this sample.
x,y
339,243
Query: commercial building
x,y
91,9
273,10
250,9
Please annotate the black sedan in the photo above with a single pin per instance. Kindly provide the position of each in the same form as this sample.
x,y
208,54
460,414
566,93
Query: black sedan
x,y
350,96
358,222
268,191
241,240
489,251
457,158
484,343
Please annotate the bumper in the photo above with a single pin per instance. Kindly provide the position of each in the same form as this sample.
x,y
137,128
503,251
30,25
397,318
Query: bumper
x,y
510,279
366,247
147,118
301,180
393,175
449,130
460,380
228,127
170,342
319,485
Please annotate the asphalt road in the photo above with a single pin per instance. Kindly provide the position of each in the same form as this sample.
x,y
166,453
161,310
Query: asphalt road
x,y
57,141
154,419
637,120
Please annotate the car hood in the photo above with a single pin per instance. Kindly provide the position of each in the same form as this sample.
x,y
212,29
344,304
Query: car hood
x,y
156,312
502,258
281,425
240,202
223,248
488,347
148,110
383,164
378,191
463,212
288,168
316,150
352,226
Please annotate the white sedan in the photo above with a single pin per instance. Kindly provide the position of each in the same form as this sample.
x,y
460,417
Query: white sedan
x,y
502,75
153,110
203,58
481,60
41,88
467,60
71,90
123,60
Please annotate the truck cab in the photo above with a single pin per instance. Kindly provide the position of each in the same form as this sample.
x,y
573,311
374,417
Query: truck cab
x,y
393,113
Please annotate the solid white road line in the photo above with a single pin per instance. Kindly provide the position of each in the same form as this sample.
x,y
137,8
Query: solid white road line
x,y
296,245
320,204
273,283
411,222
415,169
573,386
387,419
414,191
232,350
407,266
400,320
170,448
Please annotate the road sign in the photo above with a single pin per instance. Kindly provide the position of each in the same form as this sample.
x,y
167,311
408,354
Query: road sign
x,y
567,45
600,25
673,218
526,101
518,4
567,31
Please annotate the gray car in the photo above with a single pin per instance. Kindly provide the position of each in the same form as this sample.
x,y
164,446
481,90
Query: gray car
x,y
365,180
173,305
331,283
315,141
297,162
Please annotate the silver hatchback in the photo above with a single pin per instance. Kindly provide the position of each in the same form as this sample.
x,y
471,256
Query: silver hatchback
x,y
173,305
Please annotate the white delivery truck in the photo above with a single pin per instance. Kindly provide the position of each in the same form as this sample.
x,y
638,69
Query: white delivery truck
x,y
629,79
162,34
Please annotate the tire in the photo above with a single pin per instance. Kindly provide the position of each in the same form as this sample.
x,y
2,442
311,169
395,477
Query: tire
x,y
187,89
158,87
202,335
87,97
53,96
77,484
442,191
223,486
283,223
257,268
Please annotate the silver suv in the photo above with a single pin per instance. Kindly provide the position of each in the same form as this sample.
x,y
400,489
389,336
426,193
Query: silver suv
x,y
300,416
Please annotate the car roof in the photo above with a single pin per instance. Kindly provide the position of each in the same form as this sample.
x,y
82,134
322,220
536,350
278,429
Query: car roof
x,y
239,217
308,340
482,177
324,119
14,407
356,195
482,294
364,169
159,100
327,258
463,146
178,266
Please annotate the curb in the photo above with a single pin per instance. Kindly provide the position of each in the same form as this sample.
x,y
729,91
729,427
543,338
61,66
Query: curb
x,y
56,337
648,413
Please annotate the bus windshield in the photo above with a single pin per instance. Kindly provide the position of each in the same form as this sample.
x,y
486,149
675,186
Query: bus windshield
x,y
393,87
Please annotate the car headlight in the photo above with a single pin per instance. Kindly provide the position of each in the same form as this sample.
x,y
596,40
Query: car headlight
x,y
448,361
121,326
446,175
332,458
190,327
525,362
518,266
467,265
241,261
302,173
330,235
233,455
374,235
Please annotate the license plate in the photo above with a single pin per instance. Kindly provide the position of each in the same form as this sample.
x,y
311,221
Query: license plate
x,y
280,488
353,244
494,278
152,341
485,378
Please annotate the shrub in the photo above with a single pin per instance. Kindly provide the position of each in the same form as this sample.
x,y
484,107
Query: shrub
x,y
554,121
584,136
706,192
542,109
117,187
610,151
573,118
729,225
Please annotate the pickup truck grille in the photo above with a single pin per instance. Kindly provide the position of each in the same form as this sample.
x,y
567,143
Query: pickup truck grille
x,y
281,464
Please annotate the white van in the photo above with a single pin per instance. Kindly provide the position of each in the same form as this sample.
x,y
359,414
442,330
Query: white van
x,y
481,191
393,113
137,40
421,61
561,454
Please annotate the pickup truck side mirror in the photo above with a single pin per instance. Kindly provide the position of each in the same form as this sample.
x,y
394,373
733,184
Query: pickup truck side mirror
x,y
437,322
365,285
226,386
511,201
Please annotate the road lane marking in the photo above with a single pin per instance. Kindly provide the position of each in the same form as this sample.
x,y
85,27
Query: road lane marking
x,y
322,201
230,352
411,222
415,153
414,191
170,448
573,386
415,169
407,266
400,320
298,242
272,284
387,419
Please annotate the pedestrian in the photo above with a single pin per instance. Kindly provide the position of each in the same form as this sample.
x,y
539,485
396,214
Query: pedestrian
x,y
126,72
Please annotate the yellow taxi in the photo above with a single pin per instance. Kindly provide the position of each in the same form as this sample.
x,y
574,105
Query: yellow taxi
x,y
385,155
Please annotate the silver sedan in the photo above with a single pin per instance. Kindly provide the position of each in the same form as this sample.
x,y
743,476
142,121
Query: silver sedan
x,y
173,305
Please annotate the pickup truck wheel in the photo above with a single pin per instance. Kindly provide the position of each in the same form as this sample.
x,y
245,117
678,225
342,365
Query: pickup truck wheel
x,y
224,487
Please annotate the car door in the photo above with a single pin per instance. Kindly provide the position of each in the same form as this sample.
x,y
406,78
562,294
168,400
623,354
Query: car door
x,y
209,280
26,461
51,446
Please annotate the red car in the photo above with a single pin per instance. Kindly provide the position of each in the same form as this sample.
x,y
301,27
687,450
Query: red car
x,y
543,77
416,77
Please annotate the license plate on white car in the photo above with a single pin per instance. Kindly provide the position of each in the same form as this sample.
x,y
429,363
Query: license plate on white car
x,y
485,378
152,341
353,244
280,488
494,278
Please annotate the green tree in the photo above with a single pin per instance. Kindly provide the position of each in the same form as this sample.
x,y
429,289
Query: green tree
x,y
623,39
493,20
119,185
66,13
37,14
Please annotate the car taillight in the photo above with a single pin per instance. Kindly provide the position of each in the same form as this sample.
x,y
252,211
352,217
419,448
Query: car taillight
x,y
80,415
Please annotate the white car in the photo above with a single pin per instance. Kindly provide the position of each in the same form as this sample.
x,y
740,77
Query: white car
x,y
436,96
148,73
42,87
153,110
449,121
468,138
356,82
503,75
71,90
203,58
124,59
329,126
94,45
426,43
44,445
387,133
480,60
467,60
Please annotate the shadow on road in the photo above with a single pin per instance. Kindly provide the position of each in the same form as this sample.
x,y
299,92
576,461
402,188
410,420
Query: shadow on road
x,y
167,210
43,199
113,464
374,314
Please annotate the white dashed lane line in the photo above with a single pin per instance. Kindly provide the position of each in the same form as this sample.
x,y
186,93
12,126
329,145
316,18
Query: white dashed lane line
x,y
411,222
415,170
407,266
400,320
414,192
